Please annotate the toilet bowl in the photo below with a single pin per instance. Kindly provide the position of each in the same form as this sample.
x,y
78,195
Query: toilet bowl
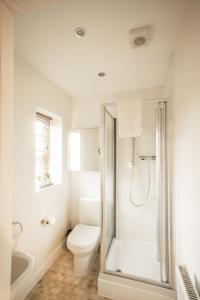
x,y
83,242
84,239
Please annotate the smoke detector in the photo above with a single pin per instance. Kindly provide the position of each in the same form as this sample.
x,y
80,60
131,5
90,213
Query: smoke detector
x,y
140,36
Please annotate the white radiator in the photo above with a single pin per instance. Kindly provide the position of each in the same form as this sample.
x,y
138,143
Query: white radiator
x,y
185,287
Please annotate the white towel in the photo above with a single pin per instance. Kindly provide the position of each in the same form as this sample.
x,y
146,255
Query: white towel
x,y
130,118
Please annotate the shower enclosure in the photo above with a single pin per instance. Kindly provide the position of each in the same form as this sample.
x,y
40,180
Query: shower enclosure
x,y
136,210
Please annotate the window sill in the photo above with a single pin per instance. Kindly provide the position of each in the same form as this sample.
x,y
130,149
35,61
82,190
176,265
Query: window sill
x,y
45,187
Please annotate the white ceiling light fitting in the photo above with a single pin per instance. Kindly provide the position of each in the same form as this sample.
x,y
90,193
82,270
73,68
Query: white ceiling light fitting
x,y
140,36
80,32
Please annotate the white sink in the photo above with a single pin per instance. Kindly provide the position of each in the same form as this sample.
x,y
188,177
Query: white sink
x,y
22,267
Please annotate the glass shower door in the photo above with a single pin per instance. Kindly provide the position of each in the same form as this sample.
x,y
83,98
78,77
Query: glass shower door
x,y
161,176
107,180
135,212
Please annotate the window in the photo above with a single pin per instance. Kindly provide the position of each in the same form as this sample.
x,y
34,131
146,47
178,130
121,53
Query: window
x,y
43,126
48,149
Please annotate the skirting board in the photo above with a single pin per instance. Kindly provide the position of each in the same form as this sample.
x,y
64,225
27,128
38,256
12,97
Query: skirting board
x,y
121,288
38,274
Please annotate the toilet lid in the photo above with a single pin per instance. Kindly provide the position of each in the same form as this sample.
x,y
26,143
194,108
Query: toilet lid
x,y
84,236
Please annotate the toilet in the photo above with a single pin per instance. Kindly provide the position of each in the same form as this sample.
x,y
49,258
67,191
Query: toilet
x,y
83,241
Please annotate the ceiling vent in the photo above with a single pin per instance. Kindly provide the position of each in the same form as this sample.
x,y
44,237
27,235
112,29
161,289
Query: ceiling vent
x,y
140,36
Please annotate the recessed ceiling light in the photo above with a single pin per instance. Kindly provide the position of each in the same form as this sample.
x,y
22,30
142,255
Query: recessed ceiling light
x,y
80,32
139,41
101,74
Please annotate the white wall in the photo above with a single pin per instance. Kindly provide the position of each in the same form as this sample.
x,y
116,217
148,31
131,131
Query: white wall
x,y
30,207
86,110
137,222
82,184
6,145
185,92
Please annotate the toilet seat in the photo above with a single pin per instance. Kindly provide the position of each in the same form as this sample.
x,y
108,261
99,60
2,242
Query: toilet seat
x,y
83,237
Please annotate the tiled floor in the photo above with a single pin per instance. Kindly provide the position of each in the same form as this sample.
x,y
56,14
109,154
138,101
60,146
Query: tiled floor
x,y
59,283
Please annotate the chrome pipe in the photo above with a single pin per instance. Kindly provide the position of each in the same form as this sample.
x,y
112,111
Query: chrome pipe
x,y
102,167
146,101
158,167
19,224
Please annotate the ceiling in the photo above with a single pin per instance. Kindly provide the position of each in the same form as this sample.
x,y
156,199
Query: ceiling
x,y
21,6
45,38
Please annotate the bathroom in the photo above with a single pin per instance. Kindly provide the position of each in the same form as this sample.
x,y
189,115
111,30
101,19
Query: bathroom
x,y
89,209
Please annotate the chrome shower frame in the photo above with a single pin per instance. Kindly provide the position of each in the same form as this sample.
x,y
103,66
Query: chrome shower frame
x,y
164,134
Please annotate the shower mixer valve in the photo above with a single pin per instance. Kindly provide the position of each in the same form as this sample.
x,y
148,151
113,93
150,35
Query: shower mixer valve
x,y
145,157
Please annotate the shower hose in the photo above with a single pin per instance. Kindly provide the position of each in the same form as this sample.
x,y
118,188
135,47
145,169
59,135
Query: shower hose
x,y
132,181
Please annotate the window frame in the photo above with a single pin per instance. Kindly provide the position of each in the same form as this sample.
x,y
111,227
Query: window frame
x,y
45,157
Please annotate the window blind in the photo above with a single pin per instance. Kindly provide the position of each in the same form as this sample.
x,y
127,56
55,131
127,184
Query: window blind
x,y
43,148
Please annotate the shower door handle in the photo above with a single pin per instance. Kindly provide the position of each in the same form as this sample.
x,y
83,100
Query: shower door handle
x,y
161,190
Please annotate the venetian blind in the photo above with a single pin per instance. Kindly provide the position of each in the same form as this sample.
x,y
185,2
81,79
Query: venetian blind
x,y
42,144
